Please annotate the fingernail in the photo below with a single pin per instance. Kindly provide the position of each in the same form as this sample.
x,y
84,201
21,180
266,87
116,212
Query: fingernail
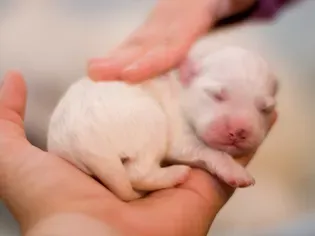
x,y
98,69
129,74
5,77
10,74
2,83
102,73
131,68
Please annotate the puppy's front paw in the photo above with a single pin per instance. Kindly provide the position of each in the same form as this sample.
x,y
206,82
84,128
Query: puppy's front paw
x,y
233,173
239,179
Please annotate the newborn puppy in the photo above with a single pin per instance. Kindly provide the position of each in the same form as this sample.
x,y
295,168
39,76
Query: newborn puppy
x,y
210,110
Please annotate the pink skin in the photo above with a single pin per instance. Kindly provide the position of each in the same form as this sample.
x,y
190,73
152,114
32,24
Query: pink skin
x,y
232,134
237,129
241,127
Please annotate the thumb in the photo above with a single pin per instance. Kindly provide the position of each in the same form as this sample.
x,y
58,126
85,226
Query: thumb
x,y
13,93
12,104
12,109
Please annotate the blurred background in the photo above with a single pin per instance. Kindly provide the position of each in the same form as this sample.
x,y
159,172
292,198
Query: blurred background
x,y
51,40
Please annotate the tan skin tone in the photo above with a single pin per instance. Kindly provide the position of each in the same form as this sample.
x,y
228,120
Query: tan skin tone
x,y
35,185
163,40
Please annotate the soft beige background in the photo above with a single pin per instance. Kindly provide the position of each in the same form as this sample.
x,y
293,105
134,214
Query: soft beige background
x,y
50,41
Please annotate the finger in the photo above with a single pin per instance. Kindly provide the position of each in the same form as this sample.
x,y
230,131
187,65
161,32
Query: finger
x,y
157,61
192,204
13,93
109,68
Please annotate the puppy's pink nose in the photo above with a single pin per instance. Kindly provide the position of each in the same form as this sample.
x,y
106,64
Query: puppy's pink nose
x,y
238,135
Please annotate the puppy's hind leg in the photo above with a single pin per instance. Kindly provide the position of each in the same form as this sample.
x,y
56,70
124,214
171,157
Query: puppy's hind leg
x,y
150,176
112,173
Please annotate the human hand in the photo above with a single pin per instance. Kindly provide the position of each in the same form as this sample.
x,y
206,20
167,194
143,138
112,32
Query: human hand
x,y
36,185
164,39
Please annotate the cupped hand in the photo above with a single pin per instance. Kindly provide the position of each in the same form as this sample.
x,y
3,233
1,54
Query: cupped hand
x,y
164,39
36,185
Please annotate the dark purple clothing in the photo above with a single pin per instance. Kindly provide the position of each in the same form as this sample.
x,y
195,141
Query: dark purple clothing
x,y
262,9
269,8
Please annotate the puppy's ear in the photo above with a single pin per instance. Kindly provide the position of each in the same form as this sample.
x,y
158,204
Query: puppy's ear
x,y
188,71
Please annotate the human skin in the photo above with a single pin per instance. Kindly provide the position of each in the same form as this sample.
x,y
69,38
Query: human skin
x,y
36,185
164,39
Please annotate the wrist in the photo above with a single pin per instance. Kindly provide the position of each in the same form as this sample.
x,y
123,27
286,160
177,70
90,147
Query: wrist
x,y
196,15
228,8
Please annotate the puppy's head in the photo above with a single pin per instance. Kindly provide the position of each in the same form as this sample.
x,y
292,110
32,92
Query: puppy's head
x,y
228,99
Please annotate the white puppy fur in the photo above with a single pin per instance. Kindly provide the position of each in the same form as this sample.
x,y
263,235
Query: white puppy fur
x,y
212,109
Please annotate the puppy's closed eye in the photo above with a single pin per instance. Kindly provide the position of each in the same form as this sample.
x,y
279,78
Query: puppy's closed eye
x,y
218,93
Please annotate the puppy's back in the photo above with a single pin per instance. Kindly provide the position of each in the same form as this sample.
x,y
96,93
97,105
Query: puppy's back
x,y
109,119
